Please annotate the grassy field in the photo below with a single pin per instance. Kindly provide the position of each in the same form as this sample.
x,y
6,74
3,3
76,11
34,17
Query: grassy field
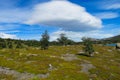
x,y
61,63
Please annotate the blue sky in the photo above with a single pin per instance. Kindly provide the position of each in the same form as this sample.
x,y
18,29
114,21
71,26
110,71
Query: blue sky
x,y
28,19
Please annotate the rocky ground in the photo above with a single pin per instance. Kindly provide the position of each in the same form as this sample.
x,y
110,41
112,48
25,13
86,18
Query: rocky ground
x,y
59,63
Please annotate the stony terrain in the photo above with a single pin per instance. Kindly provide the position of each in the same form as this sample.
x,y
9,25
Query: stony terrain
x,y
60,63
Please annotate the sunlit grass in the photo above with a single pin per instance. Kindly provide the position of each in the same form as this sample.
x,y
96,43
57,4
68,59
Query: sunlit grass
x,y
36,61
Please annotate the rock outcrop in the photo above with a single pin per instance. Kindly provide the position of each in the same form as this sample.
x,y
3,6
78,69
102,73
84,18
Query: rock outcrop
x,y
118,46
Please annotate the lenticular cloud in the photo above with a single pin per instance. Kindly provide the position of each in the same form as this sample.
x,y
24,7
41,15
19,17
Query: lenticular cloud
x,y
65,15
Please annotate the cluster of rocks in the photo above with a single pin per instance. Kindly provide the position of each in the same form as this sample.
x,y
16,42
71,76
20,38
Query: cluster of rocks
x,y
51,67
21,76
86,66
118,46
27,54
69,57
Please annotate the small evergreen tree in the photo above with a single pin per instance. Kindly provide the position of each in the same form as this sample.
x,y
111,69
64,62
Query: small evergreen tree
x,y
62,40
88,46
44,40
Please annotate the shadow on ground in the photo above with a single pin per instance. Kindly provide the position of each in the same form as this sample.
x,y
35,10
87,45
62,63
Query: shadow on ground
x,y
83,54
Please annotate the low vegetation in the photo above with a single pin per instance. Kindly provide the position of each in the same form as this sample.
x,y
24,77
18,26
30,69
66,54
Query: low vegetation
x,y
88,46
62,59
51,64
44,41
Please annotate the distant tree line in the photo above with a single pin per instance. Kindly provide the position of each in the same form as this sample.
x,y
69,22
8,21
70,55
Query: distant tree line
x,y
12,43
44,42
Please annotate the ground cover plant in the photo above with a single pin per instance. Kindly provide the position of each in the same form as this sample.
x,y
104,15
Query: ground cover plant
x,y
60,63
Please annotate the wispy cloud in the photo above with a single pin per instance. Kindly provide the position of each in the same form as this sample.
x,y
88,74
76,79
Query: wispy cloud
x,y
109,4
113,6
4,35
14,15
107,15
77,36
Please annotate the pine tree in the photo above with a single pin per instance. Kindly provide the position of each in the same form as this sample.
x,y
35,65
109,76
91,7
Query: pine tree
x,y
62,40
44,40
88,46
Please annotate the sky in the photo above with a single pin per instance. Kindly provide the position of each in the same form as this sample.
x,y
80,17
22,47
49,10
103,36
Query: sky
x,y
28,19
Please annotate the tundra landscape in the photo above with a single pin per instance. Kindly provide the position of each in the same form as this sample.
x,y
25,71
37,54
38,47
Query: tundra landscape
x,y
59,39
59,62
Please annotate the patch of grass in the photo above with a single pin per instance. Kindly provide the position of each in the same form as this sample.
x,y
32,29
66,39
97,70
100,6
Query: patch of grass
x,y
36,61
6,77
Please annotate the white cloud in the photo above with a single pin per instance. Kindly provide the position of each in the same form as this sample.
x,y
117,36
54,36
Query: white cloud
x,y
113,6
4,35
76,36
107,15
14,15
110,4
65,15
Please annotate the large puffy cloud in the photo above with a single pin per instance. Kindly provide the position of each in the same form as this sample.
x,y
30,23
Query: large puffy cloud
x,y
4,35
65,15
